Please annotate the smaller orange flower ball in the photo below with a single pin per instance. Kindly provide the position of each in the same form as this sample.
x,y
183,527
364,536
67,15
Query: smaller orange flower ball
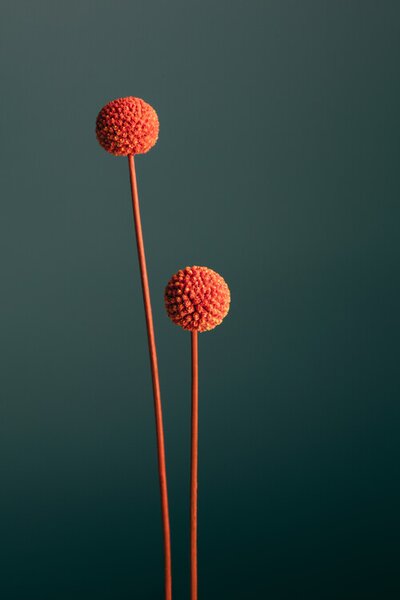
x,y
197,298
127,126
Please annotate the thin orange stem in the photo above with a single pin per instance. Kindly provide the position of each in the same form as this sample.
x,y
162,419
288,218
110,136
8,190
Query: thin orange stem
x,y
162,471
194,466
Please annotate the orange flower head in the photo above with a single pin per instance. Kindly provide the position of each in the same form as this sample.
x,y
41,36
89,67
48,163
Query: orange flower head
x,y
197,298
127,126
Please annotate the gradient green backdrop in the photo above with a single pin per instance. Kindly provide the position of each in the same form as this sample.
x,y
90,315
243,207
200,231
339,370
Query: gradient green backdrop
x,y
278,166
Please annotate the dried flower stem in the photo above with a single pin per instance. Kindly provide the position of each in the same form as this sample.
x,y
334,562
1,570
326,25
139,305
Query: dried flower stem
x,y
194,466
162,471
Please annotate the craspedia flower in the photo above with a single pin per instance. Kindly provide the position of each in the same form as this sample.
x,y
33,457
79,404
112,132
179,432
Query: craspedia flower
x,y
197,298
127,126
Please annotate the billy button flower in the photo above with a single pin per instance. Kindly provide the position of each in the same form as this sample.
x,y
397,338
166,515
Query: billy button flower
x,y
197,299
125,127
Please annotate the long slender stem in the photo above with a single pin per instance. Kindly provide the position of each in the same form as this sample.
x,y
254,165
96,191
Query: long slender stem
x,y
162,471
194,466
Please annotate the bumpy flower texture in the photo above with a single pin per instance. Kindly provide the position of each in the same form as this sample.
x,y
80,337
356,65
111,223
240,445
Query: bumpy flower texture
x,y
127,126
197,298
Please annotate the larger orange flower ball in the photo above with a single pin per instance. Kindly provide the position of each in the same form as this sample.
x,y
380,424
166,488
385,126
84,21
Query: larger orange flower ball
x,y
197,298
127,126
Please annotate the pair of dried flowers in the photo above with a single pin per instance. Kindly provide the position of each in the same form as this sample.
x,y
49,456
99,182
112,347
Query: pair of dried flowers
x,y
196,298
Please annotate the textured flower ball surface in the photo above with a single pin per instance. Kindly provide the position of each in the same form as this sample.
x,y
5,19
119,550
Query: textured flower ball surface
x,y
197,298
127,126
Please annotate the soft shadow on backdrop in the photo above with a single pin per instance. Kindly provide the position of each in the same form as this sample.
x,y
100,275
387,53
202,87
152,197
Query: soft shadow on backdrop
x,y
278,166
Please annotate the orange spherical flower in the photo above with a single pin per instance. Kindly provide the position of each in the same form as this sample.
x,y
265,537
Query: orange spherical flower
x,y
127,126
197,298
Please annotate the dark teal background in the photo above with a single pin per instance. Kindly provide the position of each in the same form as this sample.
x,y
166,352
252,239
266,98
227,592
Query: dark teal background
x,y
278,166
